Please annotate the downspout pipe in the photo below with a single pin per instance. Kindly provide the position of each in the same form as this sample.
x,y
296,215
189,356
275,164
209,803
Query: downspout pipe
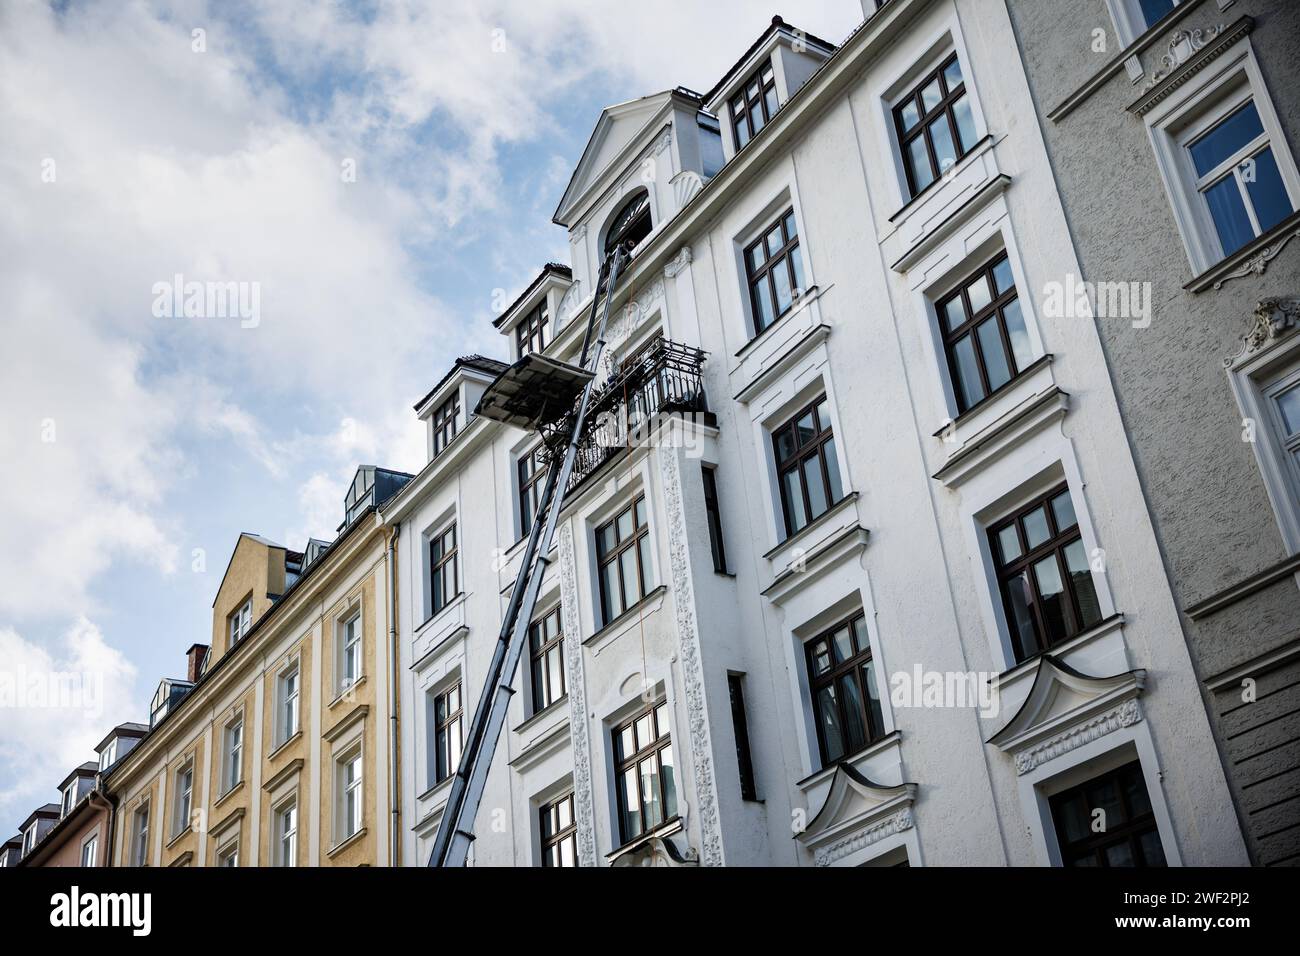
x,y
394,795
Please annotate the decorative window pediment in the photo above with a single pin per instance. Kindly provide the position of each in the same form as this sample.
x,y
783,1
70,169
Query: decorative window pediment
x,y
857,813
1066,709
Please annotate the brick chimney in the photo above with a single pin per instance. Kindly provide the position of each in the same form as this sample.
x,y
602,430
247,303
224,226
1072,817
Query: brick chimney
x,y
195,656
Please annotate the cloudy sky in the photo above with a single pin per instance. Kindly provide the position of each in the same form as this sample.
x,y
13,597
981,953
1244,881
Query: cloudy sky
x,y
383,171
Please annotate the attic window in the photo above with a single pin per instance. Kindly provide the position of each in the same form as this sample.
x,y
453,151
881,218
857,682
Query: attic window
x,y
754,105
631,225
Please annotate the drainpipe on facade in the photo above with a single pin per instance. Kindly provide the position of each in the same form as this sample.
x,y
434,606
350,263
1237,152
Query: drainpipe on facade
x,y
111,804
394,797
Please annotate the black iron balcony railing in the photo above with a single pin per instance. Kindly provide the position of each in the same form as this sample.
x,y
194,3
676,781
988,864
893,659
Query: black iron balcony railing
x,y
661,378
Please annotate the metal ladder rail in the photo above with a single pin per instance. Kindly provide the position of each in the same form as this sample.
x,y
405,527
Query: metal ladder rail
x,y
455,830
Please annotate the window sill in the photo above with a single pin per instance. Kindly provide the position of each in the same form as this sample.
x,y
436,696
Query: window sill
x,y
636,609
224,796
879,745
455,602
811,294
807,530
665,829
178,837
347,693
340,847
287,741
965,418
932,188
1060,651
1253,257
538,716
442,784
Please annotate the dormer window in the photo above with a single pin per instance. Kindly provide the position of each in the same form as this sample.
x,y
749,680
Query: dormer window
x,y
754,105
69,797
108,756
631,225
444,422
239,622
531,333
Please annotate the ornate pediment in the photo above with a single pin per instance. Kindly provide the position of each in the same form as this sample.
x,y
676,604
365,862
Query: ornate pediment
x,y
1066,709
857,812
621,131
1274,318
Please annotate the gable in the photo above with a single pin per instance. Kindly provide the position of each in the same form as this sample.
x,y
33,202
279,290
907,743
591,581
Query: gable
x,y
618,131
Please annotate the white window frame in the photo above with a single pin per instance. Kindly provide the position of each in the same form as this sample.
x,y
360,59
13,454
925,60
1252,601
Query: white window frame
x,y
286,856
350,624
239,622
232,754
69,798
1255,381
287,710
348,825
91,844
1129,20
29,838
184,797
108,755
228,853
140,835
1202,101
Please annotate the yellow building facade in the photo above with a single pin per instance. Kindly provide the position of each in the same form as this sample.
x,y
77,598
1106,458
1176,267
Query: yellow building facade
x,y
278,748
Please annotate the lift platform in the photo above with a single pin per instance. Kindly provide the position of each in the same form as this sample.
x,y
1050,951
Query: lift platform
x,y
535,392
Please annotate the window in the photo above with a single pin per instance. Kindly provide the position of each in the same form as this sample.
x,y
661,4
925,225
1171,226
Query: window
x,y
240,621
531,332
774,272
754,105
559,831
984,334
234,755
532,478
1237,175
623,560
228,855
714,513
1153,11
631,224
1282,398
442,569
448,716
90,851
736,691
645,780
808,470
69,798
108,755
1043,574
444,422
546,648
1108,821
350,652
286,828
287,717
140,836
184,798
845,698
934,125
29,838
350,796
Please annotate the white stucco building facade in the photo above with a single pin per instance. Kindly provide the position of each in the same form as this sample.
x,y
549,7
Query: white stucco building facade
x,y
861,479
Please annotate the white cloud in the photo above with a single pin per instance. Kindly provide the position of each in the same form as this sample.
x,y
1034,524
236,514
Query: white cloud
x,y
56,704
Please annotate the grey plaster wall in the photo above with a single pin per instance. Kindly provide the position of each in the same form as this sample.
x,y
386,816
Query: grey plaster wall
x,y
1210,506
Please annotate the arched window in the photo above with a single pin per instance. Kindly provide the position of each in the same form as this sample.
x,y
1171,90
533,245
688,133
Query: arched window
x,y
631,224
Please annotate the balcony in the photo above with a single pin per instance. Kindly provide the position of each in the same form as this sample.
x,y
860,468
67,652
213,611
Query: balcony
x,y
661,378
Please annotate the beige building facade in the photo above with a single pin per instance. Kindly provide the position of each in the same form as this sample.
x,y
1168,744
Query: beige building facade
x,y
276,750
